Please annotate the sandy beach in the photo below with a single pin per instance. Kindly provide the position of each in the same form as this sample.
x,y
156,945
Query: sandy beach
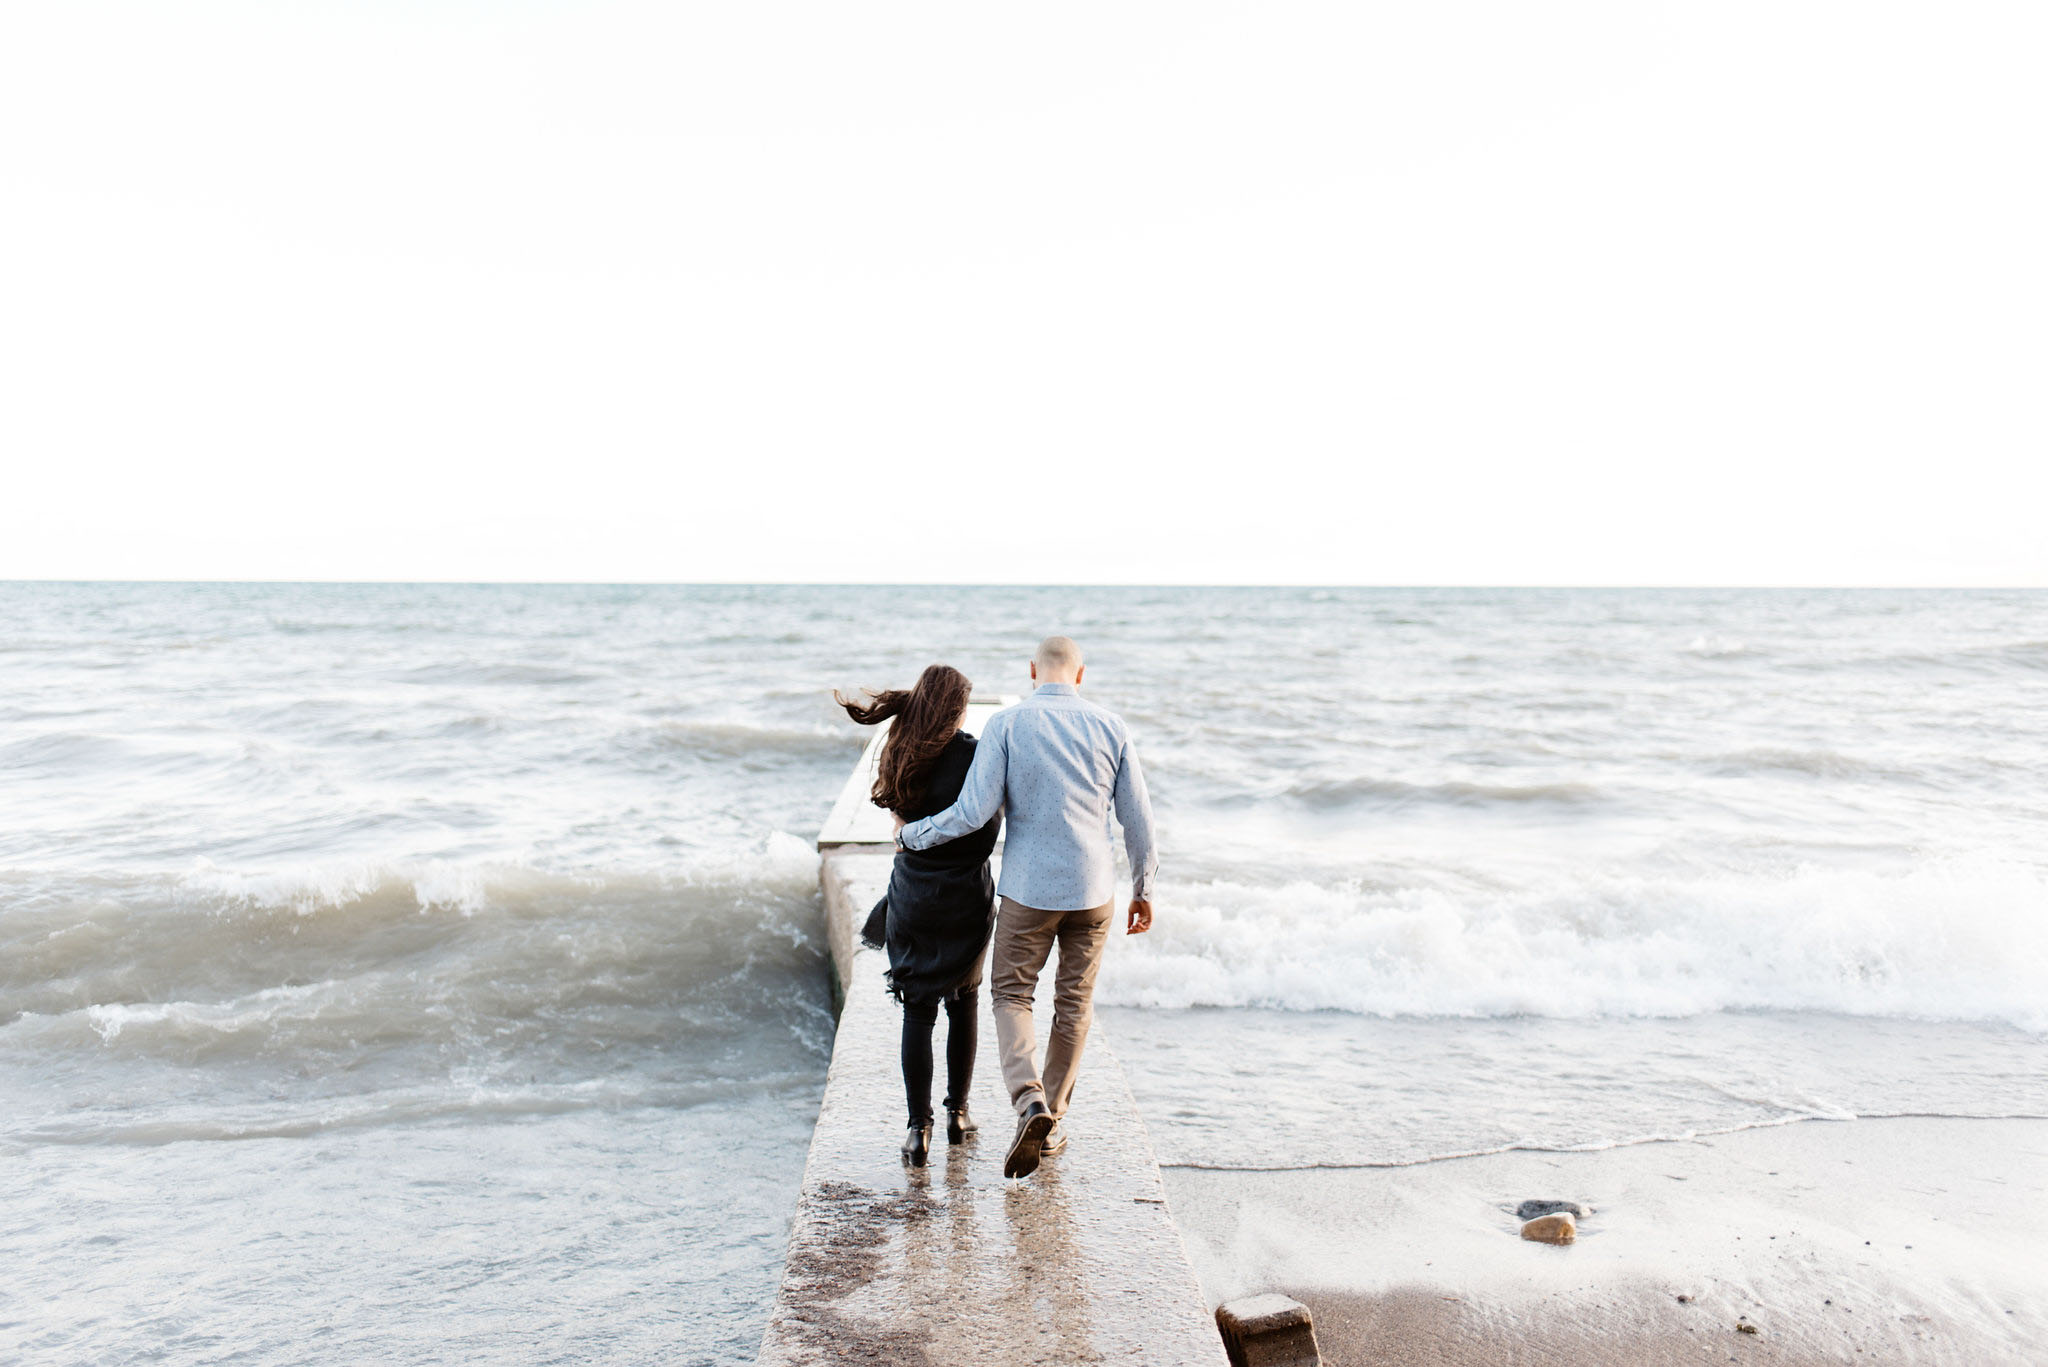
x,y
1909,1240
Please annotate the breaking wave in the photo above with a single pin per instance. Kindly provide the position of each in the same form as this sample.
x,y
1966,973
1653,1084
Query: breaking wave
x,y
481,962
1955,941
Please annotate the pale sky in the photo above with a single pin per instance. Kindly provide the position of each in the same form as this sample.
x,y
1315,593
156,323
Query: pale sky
x,y
1446,292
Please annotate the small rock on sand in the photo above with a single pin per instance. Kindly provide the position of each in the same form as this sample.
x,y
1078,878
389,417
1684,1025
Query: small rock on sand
x,y
1551,1229
1529,1210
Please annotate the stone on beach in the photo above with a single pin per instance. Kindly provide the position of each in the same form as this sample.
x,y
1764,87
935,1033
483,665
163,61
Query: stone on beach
x,y
1529,1210
1551,1229
1268,1331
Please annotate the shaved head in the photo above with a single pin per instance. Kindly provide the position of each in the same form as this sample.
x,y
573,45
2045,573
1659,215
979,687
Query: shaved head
x,y
1058,661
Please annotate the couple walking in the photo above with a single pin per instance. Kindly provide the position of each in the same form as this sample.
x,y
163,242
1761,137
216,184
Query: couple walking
x,y
1057,766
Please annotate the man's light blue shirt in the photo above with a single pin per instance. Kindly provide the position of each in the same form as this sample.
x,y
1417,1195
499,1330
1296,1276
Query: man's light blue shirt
x,y
1055,765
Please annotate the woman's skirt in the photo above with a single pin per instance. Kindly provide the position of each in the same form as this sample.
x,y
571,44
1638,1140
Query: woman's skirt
x,y
935,922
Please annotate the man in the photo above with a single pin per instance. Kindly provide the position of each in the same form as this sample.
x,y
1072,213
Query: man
x,y
1056,766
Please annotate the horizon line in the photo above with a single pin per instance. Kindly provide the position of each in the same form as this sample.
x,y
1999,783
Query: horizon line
x,y
1024,584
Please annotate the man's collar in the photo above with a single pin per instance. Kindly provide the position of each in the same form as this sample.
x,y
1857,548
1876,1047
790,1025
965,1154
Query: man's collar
x,y
1057,688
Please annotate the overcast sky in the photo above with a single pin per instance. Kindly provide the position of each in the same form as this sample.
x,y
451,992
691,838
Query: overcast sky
x,y
1447,292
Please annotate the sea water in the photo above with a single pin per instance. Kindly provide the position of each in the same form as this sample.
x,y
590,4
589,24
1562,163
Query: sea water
x,y
435,973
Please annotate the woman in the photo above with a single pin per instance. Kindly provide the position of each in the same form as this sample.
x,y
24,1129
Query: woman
x,y
940,907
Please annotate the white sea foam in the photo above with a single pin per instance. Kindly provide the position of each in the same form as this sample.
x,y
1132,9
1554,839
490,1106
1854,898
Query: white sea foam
x,y
780,861
1965,940
257,1011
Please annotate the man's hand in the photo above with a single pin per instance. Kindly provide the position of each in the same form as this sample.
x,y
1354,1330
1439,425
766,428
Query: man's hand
x,y
898,835
1141,916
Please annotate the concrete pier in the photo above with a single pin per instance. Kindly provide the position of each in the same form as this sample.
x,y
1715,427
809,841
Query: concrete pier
x,y
953,1263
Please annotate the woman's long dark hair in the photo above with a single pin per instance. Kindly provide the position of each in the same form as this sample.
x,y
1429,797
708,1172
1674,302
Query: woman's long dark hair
x,y
927,714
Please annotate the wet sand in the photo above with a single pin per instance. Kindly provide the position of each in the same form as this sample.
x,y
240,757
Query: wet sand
x,y
1912,1240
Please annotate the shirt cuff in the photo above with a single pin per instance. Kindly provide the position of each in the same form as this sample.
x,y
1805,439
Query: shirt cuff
x,y
911,837
1141,889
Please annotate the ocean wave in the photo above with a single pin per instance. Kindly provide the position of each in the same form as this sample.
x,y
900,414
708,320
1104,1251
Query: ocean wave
x,y
1339,793
1816,763
2032,654
215,1121
1956,941
1989,659
92,757
780,862
741,739
487,960
68,750
472,672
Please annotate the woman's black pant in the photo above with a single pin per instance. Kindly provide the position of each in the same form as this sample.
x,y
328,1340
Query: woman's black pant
x,y
920,1014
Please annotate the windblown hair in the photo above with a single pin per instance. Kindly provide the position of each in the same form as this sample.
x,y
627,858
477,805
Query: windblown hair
x,y
927,714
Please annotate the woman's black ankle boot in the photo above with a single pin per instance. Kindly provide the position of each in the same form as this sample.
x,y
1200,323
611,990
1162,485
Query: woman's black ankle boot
x,y
917,1144
959,1125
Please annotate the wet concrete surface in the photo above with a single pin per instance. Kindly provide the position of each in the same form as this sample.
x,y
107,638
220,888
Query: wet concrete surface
x,y
953,1263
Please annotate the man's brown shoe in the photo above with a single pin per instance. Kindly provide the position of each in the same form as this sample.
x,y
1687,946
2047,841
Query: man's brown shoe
x,y
1022,1160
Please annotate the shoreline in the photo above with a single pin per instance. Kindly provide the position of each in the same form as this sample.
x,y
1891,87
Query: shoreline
x,y
1900,1240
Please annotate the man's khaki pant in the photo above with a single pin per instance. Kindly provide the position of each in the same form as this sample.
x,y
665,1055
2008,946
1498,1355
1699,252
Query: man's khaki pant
x,y
1024,937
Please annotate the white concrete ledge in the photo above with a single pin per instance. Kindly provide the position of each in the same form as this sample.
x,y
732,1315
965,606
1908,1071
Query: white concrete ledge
x,y
1080,1263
